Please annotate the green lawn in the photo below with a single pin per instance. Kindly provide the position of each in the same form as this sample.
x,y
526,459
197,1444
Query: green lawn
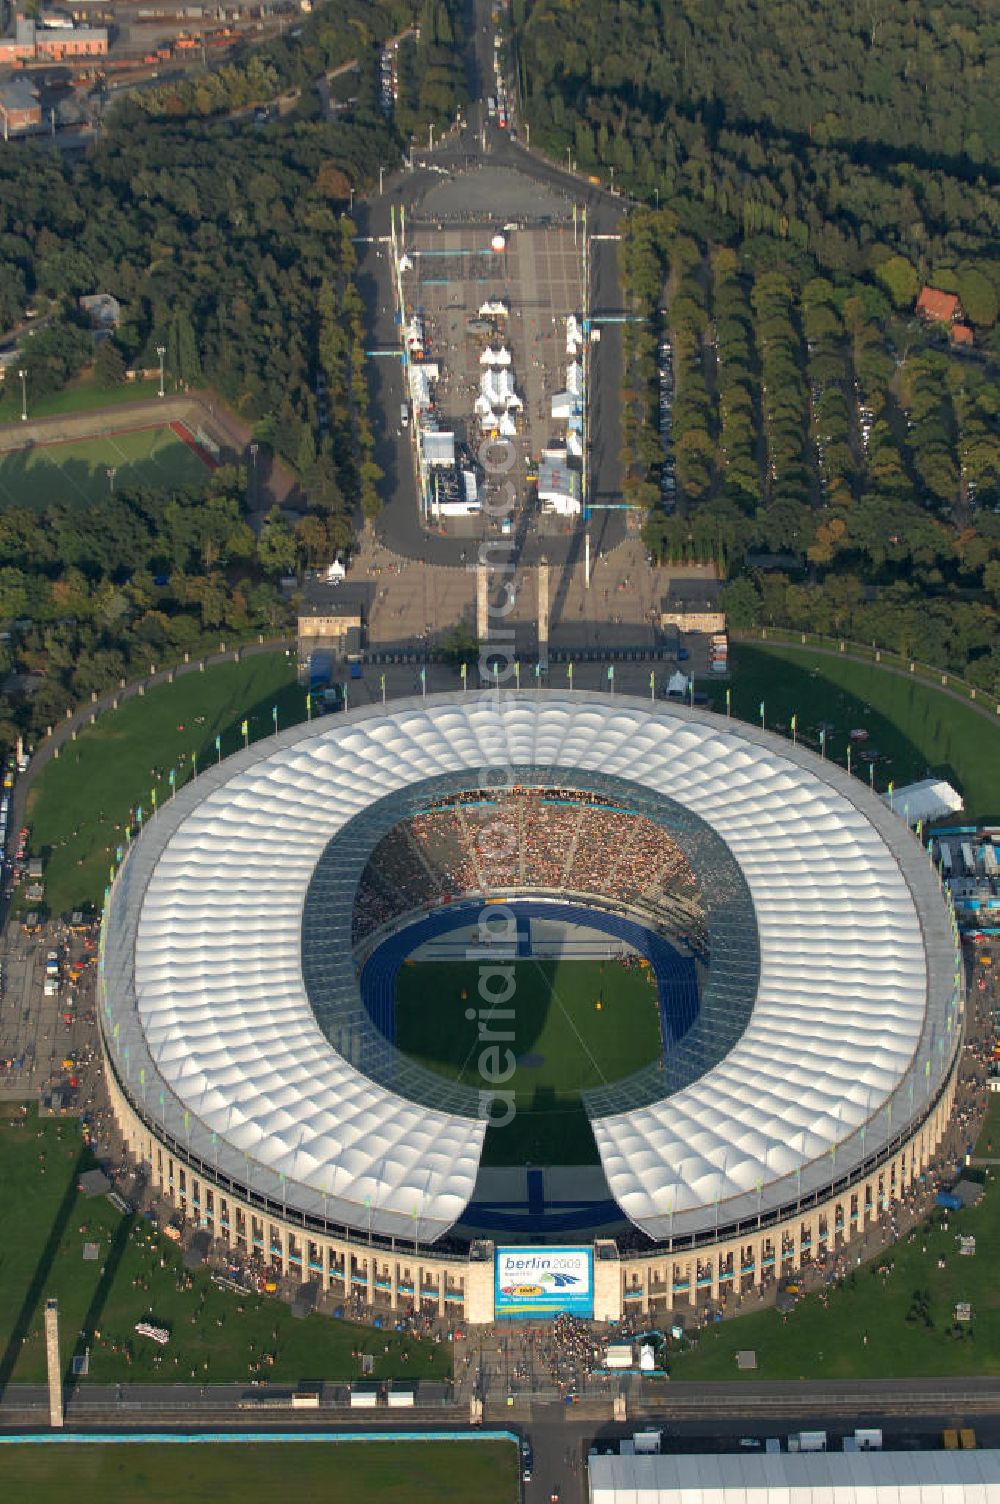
x,y
817,1341
79,470
915,729
988,1143
563,1042
80,804
44,1225
378,1472
79,396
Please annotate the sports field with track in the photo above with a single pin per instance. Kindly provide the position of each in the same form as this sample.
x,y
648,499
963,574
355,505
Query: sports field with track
x,y
87,469
569,1025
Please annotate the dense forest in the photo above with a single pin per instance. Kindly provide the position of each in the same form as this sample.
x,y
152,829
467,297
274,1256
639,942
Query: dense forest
x,y
228,242
807,170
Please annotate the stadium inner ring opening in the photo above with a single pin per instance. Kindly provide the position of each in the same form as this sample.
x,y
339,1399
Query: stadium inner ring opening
x,y
550,848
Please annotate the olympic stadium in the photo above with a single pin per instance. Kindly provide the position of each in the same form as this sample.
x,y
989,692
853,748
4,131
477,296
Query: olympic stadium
x,y
768,1064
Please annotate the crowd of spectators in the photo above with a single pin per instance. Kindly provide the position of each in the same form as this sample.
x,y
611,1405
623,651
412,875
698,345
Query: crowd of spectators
x,y
529,839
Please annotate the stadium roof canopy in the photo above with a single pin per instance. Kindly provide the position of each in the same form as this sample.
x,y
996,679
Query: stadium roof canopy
x,y
212,1031
804,1478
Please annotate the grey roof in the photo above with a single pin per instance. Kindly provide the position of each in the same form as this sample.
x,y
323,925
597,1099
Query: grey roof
x,y
18,94
959,1477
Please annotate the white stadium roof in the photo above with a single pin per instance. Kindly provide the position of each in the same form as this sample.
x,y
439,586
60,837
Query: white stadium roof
x,y
800,1478
213,1034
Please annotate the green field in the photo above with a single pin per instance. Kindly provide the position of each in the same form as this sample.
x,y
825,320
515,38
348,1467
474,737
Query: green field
x,y
80,804
78,470
817,1341
44,1225
378,1472
82,395
563,1044
915,728
988,1143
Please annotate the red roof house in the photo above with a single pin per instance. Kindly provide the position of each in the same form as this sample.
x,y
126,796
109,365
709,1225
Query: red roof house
x,y
938,307
960,334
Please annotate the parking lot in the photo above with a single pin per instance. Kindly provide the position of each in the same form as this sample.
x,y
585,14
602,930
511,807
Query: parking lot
x,y
536,279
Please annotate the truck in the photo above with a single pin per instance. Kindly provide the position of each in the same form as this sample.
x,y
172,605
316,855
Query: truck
x,y
404,415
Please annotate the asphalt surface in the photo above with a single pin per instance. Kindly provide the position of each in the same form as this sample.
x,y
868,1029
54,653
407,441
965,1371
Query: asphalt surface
x,y
492,167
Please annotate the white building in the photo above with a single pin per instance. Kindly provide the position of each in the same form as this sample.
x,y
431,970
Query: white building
x,y
958,1477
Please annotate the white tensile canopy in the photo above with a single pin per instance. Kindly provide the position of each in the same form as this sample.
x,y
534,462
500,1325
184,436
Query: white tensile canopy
x,y
203,979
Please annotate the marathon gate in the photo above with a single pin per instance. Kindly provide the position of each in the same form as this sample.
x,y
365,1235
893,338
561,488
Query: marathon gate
x,y
530,1283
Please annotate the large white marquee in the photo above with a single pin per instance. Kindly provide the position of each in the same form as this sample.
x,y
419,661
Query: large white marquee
x,y
211,1031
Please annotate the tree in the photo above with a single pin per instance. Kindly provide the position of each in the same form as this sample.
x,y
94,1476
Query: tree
x,y
459,643
979,297
109,364
899,278
741,602
276,549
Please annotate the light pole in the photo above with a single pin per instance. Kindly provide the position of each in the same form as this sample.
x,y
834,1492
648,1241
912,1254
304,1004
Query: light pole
x,y
568,150
430,138
24,395
253,474
161,351
381,173
527,134
111,473
657,192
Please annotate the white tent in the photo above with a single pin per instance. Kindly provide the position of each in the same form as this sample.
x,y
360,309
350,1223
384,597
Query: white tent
x,y
420,388
677,684
574,378
508,427
930,799
482,405
491,357
497,385
439,447
562,405
574,444
493,308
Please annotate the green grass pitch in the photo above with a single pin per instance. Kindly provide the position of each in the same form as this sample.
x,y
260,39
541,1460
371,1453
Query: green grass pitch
x,y
78,469
563,1043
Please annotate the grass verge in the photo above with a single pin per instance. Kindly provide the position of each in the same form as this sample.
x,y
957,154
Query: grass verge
x,y
217,1336
913,729
81,802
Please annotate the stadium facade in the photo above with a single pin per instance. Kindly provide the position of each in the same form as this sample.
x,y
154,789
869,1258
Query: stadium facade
x,y
810,1093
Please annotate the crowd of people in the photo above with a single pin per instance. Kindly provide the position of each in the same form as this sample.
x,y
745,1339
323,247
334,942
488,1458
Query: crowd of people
x,y
529,839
